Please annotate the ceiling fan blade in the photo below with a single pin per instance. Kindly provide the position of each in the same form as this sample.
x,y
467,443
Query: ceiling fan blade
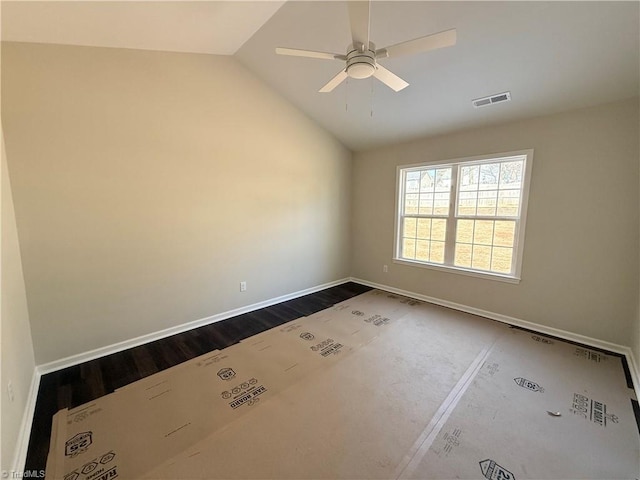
x,y
359,18
389,78
334,82
418,45
294,52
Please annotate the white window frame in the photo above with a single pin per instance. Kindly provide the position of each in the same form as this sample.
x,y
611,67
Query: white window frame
x,y
521,221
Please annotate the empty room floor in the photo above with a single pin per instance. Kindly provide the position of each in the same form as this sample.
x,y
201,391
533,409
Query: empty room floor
x,y
375,386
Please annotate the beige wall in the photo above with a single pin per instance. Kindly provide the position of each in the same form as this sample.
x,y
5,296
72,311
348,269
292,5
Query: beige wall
x,y
147,185
580,266
16,348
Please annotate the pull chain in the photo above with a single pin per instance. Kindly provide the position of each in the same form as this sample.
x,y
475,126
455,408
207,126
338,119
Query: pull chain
x,y
371,97
346,95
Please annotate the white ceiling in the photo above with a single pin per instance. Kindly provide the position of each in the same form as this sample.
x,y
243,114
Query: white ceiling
x,y
551,56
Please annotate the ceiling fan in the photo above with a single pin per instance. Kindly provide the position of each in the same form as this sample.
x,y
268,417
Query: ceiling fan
x,y
361,59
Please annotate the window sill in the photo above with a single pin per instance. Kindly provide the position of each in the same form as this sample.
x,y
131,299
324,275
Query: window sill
x,y
458,270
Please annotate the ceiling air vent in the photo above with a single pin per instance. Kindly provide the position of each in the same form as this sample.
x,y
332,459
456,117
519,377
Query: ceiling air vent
x,y
484,101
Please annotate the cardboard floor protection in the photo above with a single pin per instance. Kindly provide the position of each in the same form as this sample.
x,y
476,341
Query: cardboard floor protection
x,y
378,386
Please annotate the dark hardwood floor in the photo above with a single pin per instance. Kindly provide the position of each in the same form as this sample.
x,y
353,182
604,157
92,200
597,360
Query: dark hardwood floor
x,y
82,383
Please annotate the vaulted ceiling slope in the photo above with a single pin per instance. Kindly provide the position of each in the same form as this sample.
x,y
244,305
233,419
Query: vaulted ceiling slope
x,y
219,27
551,56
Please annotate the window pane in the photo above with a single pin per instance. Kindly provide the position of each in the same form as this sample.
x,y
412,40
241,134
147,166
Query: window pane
x,y
426,204
424,228
489,174
469,178
481,258
409,228
412,186
438,229
408,248
511,174
411,204
422,250
508,203
467,203
501,259
443,180
483,232
464,232
427,180
463,255
441,204
504,233
414,175
487,203
437,252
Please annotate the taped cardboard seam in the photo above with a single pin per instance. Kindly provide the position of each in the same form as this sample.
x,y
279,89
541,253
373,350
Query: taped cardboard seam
x,y
423,443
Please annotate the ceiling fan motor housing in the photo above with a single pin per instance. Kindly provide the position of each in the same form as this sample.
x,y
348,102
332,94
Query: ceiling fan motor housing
x,y
361,61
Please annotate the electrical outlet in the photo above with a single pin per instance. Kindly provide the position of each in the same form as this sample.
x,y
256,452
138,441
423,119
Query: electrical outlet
x,y
385,269
243,286
10,391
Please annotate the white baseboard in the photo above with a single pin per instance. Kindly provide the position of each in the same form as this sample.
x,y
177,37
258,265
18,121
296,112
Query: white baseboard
x,y
22,443
167,332
555,332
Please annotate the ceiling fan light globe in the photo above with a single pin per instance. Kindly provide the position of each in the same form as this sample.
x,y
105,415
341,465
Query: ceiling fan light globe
x,y
360,70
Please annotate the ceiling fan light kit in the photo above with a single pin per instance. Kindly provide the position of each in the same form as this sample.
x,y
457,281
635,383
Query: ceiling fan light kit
x,y
361,60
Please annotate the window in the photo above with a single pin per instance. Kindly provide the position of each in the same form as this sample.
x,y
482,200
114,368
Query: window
x,y
465,215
